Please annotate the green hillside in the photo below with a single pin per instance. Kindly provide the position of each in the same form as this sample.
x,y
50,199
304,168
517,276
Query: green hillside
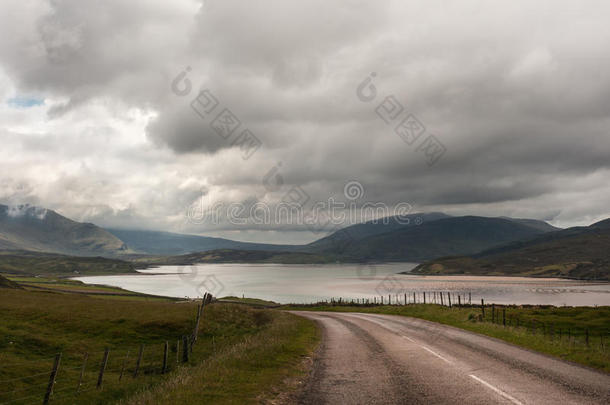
x,y
581,253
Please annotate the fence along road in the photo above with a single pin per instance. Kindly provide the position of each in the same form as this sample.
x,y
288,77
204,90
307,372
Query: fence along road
x,y
375,359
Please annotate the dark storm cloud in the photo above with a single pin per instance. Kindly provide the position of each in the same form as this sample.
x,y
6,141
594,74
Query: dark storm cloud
x,y
518,94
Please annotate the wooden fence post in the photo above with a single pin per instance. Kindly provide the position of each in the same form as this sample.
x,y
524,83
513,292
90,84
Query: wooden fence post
x,y
441,294
165,353
493,313
100,378
424,297
405,298
82,371
504,316
52,377
533,327
449,298
139,361
196,329
185,349
469,298
483,308
587,336
124,365
459,301
414,298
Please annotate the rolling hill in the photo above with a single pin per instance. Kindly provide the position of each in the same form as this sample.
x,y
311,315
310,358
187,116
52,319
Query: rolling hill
x,y
579,252
27,227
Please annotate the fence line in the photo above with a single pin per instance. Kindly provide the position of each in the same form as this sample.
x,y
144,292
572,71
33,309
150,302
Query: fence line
x,y
152,359
500,315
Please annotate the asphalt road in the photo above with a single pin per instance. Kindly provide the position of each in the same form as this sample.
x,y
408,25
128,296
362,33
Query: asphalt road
x,y
385,359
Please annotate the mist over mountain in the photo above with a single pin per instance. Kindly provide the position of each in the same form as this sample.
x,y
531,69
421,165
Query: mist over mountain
x,y
26,227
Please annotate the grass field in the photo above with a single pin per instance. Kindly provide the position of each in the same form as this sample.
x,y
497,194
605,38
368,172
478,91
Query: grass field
x,y
242,352
67,286
559,331
48,264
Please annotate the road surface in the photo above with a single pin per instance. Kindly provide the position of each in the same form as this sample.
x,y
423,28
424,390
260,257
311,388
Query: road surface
x,y
385,359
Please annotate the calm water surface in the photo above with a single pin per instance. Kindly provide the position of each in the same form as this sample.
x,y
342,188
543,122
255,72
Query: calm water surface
x,y
311,283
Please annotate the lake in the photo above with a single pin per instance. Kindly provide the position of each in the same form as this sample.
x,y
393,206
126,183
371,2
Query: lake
x,y
311,283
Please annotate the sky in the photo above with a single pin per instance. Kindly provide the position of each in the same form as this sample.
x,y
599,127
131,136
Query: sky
x,y
143,114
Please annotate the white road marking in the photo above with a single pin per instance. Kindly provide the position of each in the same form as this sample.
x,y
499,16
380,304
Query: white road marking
x,y
406,337
496,390
437,355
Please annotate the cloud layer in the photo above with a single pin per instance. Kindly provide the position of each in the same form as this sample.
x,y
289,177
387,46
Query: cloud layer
x,y
517,93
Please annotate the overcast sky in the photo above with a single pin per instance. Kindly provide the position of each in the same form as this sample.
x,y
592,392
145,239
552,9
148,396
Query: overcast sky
x,y
97,124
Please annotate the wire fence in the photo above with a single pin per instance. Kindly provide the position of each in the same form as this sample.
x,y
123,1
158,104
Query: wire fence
x,y
509,317
71,376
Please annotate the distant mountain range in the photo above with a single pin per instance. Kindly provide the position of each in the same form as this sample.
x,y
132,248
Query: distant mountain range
x,y
579,252
416,237
466,244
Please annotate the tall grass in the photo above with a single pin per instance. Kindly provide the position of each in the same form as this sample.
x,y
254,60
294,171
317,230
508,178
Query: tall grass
x,y
34,326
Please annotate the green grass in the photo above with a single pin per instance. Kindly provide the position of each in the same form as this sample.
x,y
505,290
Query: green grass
x,y
48,264
575,319
35,325
64,285
256,369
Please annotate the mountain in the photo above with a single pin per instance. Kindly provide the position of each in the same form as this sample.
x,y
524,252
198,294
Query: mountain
x,y
336,241
534,223
166,243
441,237
26,227
579,252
